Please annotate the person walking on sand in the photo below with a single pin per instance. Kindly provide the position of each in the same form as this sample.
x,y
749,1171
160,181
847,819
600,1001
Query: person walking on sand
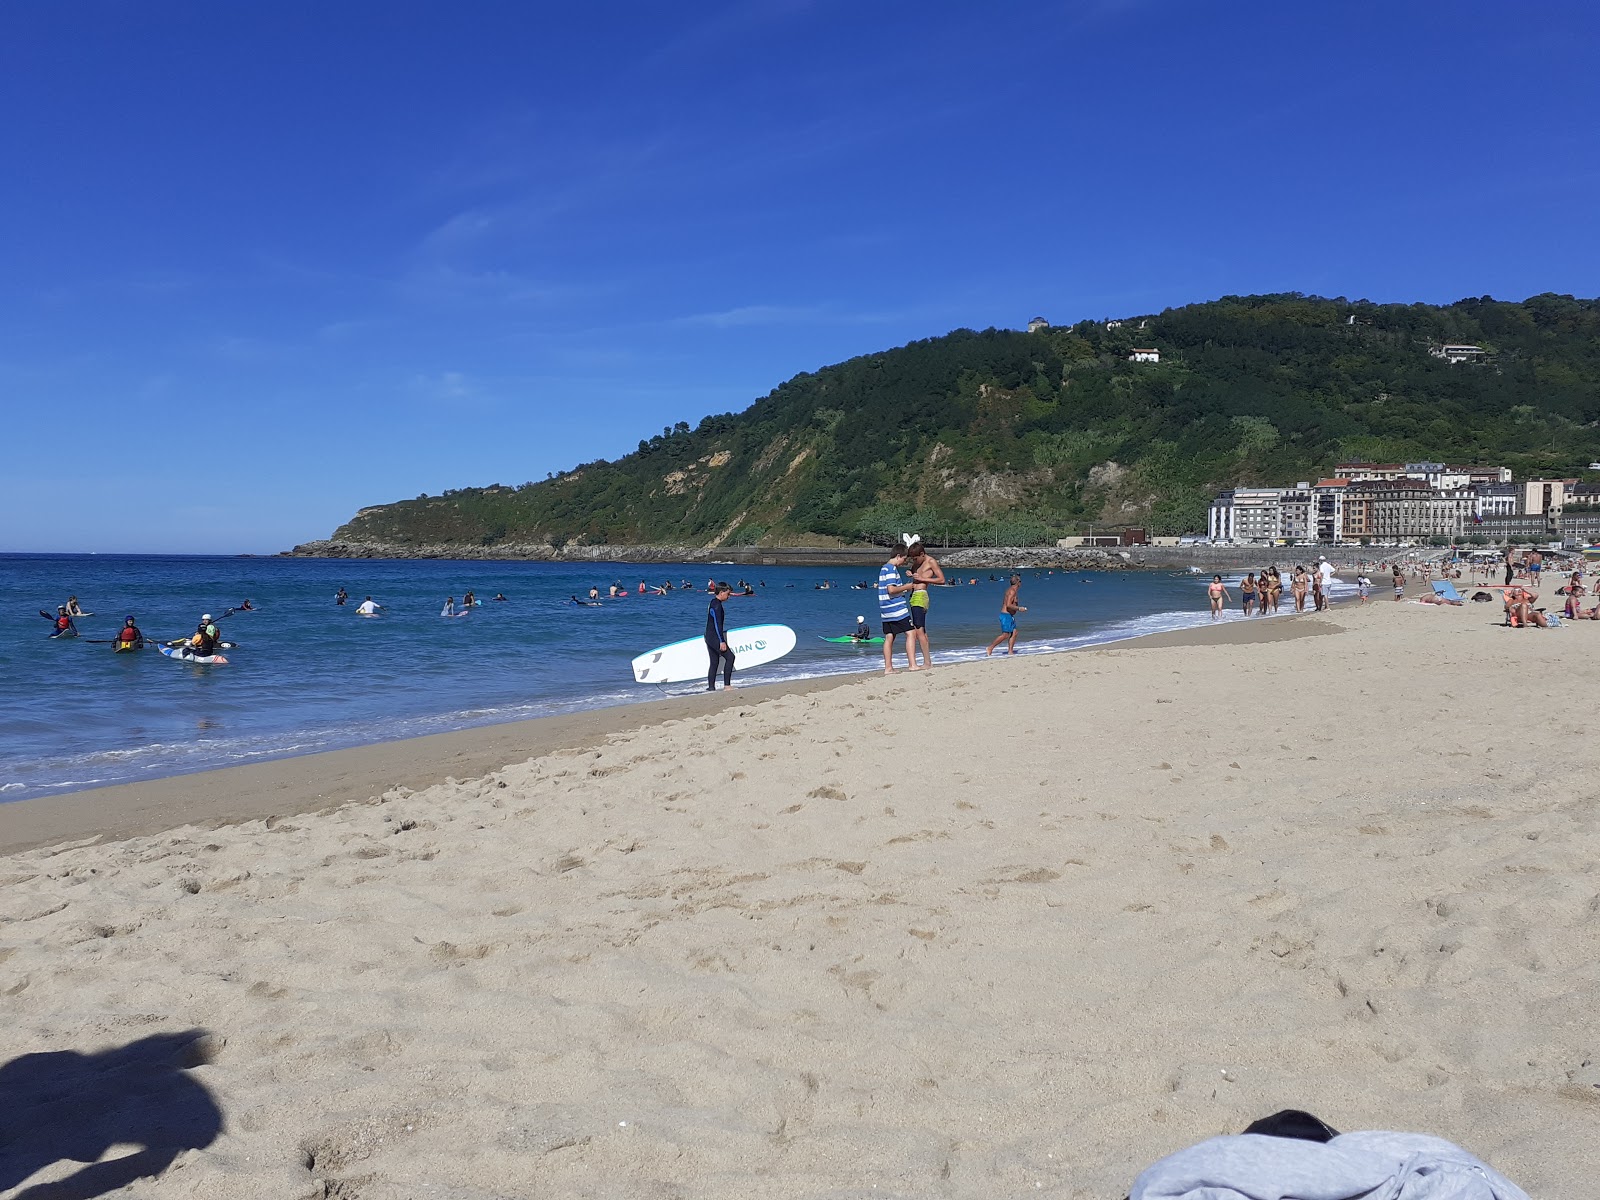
x,y
1299,582
1009,608
1399,583
1363,587
1218,592
894,611
717,638
1325,574
925,571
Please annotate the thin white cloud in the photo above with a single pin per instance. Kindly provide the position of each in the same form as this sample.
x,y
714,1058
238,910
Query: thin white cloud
x,y
735,22
750,315
445,386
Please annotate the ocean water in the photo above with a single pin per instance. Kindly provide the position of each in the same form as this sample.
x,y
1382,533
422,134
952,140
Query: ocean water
x,y
309,675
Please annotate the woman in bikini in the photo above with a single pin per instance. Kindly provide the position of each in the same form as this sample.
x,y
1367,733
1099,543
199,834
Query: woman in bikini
x,y
1298,583
1218,593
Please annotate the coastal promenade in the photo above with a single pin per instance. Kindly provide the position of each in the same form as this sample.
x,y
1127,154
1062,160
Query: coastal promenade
x,y
1015,926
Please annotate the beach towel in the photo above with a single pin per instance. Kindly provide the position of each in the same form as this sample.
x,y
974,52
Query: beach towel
x,y
1446,590
1351,1166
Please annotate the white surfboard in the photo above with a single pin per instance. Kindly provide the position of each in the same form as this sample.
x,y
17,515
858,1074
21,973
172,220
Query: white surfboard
x,y
752,646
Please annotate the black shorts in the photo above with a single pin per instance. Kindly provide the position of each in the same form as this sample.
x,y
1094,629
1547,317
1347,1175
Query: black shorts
x,y
903,625
919,617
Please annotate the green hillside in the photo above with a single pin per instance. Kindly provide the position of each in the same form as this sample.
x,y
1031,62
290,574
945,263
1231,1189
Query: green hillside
x,y
1021,437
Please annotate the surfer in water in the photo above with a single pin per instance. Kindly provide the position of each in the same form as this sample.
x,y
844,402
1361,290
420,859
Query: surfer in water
x,y
717,638
587,603
74,609
449,609
340,596
370,607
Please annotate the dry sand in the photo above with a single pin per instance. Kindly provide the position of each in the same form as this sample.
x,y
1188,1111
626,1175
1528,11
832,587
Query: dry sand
x,y
1016,927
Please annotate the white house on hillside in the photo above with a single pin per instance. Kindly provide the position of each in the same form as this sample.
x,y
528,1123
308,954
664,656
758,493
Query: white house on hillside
x,y
1037,324
1137,355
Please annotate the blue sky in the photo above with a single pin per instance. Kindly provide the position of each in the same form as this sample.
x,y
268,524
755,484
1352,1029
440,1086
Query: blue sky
x,y
263,264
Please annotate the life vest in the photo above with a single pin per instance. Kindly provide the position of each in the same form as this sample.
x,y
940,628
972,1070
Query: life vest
x,y
128,634
63,622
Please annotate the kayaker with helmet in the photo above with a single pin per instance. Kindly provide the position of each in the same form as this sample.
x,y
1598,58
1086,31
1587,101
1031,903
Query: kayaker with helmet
x,y
64,625
206,636
129,637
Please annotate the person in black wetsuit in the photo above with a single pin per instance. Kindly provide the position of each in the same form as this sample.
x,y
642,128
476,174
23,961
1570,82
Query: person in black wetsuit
x,y
717,638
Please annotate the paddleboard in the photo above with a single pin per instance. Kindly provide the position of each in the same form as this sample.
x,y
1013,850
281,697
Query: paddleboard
x,y
679,662
185,656
850,641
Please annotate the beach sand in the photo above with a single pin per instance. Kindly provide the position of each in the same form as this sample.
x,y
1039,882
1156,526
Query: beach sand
x,y
1020,926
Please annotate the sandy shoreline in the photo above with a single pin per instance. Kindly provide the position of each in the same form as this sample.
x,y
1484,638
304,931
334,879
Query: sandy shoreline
x,y
1019,926
311,782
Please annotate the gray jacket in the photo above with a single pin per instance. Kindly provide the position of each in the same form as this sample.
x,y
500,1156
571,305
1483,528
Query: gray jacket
x,y
1353,1166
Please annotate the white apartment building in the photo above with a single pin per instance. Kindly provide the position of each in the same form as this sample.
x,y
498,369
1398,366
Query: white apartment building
x,y
1256,514
1296,513
1497,499
1328,510
1383,502
1150,356
1544,496
1219,518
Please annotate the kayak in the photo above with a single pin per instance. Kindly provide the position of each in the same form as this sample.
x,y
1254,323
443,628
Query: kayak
x,y
181,643
850,641
188,657
63,633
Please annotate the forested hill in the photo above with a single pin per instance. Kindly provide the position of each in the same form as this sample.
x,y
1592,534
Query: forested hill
x,y
1022,437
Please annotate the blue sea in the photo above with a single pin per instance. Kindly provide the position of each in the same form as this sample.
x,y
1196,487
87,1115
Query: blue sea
x,y
309,675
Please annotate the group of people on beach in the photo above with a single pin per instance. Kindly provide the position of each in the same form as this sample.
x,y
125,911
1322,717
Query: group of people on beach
x,y
1259,595
903,603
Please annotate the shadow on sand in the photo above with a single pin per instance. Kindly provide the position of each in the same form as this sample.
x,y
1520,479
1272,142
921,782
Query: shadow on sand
x,y
74,1107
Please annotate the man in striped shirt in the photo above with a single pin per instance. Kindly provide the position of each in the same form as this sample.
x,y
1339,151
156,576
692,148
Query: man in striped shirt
x,y
893,609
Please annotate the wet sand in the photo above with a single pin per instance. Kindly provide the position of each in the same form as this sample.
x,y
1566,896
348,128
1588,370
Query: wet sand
x,y
311,782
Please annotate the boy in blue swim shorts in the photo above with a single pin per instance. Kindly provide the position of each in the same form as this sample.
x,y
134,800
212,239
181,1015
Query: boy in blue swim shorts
x,y
1009,608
